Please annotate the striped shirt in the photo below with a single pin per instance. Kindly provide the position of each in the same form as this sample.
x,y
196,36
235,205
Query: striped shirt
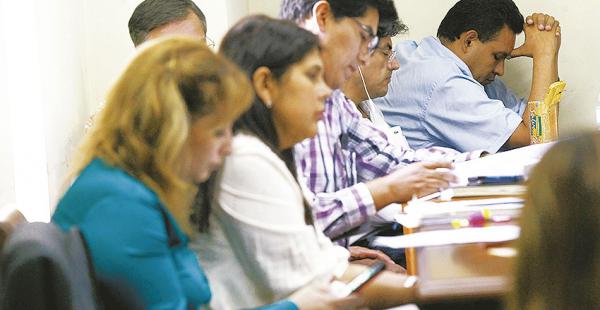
x,y
347,151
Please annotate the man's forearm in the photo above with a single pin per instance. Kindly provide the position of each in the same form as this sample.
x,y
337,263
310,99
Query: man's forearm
x,y
381,193
545,72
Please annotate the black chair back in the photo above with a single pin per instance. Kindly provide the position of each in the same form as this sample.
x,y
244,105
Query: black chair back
x,y
42,267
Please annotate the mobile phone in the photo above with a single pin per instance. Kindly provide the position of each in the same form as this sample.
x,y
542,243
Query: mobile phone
x,y
362,279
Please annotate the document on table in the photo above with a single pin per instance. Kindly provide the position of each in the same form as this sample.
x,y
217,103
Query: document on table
x,y
426,208
453,236
509,163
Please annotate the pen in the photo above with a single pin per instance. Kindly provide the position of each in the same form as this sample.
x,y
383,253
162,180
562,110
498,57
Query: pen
x,y
502,179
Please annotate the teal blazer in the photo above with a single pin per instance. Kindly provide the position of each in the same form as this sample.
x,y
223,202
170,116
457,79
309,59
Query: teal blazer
x,y
123,223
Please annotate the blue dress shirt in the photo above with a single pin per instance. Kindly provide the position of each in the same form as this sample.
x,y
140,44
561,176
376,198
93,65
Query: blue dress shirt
x,y
437,102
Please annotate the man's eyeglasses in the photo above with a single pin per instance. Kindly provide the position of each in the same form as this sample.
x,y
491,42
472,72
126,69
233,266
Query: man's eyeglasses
x,y
209,42
371,37
390,54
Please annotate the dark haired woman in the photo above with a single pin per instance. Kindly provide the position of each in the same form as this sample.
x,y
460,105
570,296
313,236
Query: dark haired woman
x,y
262,244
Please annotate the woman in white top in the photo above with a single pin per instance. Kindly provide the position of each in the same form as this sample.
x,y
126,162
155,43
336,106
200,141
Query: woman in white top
x,y
261,244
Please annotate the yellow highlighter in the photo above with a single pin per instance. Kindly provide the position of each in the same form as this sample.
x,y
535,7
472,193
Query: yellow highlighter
x,y
544,115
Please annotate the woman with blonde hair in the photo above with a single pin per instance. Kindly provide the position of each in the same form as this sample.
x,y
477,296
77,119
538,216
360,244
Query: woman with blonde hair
x,y
165,128
558,265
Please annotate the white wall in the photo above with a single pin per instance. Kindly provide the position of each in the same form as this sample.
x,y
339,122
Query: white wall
x,y
63,74
7,184
43,97
269,7
106,46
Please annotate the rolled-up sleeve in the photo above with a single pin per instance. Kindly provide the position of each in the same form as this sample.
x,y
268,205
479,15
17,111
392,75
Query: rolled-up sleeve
x,y
338,212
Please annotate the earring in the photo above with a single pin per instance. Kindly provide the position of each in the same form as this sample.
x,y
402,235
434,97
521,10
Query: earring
x,y
269,104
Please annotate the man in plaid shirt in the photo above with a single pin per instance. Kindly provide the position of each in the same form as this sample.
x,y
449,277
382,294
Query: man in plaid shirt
x,y
350,166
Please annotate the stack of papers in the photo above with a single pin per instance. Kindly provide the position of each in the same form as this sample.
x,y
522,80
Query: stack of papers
x,y
514,162
453,236
420,213
436,208
488,190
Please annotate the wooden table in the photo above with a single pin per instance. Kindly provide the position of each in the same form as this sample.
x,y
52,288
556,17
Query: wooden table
x,y
462,272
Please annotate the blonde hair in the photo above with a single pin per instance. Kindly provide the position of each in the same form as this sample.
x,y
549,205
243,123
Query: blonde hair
x,y
558,265
145,125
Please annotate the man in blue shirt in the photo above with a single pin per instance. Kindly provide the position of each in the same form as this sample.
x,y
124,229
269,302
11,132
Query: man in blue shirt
x,y
445,92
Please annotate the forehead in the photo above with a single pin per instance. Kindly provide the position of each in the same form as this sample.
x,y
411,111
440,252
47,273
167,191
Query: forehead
x,y
189,26
385,43
504,42
312,58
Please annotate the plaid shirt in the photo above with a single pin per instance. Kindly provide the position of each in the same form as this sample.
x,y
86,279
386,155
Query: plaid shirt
x,y
347,151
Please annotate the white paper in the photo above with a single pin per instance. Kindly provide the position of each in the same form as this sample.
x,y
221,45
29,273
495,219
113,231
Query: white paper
x,y
514,162
452,236
431,208
387,214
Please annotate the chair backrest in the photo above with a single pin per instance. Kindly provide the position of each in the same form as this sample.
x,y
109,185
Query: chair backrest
x,y
43,267
10,218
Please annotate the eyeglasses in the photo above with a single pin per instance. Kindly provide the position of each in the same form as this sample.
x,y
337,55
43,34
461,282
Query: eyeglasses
x,y
209,42
389,53
370,36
